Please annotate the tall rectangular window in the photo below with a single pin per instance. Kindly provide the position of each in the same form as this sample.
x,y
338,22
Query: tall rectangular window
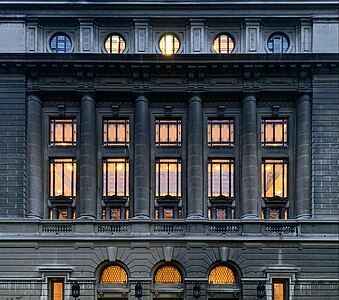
x,y
62,177
116,177
168,177
280,289
168,132
220,132
274,178
56,289
62,132
274,132
220,178
116,132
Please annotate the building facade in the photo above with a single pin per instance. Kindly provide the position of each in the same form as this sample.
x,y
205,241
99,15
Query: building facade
x,y
181,149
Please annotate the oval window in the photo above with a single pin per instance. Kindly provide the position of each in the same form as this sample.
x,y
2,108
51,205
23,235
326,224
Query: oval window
x,y
223,43
115,44
60,43
278,43
169,44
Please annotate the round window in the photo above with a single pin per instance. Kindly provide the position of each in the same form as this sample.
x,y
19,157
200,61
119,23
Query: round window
x,y
278,43
169,44
60,43
115,44
223,43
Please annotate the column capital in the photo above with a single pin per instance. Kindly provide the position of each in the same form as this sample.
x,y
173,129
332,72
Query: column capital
x,y
88,97
303,97
34,97
250,97
195,97
141,97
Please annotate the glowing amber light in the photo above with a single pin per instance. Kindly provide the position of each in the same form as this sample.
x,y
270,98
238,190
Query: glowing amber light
x,y
221,275
168,274
115,44
114,275
169,44
223,44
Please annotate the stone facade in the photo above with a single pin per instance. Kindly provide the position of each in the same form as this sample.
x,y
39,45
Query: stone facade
x,y
195,85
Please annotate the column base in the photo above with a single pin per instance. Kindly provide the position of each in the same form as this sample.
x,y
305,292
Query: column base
x,y
141,217
303,217
250,217
85,217
34,217
195,217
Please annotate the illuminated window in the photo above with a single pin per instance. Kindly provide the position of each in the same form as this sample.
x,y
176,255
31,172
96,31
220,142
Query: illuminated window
x,y
169,44
114,275
274,178
277,43
115,44
116,177
221,275
62,177
168,274
57,289
168,177
274,189
62,132
220,177
116,132
280,289
60,43
168,132
220,132
223,43
273,132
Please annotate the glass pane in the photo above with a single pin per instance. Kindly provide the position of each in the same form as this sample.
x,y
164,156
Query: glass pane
x,y
57,290
58,188
121,132
278,290
163,133
58,133
278,180
269,180
225,180
216,184
225,136
68,183
120,179
163,179
216,133
173,179
269,133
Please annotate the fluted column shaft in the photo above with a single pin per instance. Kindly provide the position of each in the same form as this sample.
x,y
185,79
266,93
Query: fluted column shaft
x,y
35,200
141,158
249,158
195,192
88,158
303,157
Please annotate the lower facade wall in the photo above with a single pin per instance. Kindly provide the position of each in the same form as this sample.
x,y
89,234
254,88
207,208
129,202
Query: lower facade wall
x,y
26,267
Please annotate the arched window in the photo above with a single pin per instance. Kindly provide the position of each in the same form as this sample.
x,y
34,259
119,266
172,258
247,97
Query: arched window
x,y
114,275
223,43
115,44
168,274
278,43
60,43
221,275
169,44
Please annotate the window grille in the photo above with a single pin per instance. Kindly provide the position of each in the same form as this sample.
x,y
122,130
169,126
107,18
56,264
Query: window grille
x,y
220,132
168,274
168,132
274,132
114,275
62,132
116,132
221,275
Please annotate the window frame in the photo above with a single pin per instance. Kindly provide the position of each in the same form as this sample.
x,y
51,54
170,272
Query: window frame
x,y
56,34
53,121
106,121
230,122
270,121
175,122
121,37
229,37
175,35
